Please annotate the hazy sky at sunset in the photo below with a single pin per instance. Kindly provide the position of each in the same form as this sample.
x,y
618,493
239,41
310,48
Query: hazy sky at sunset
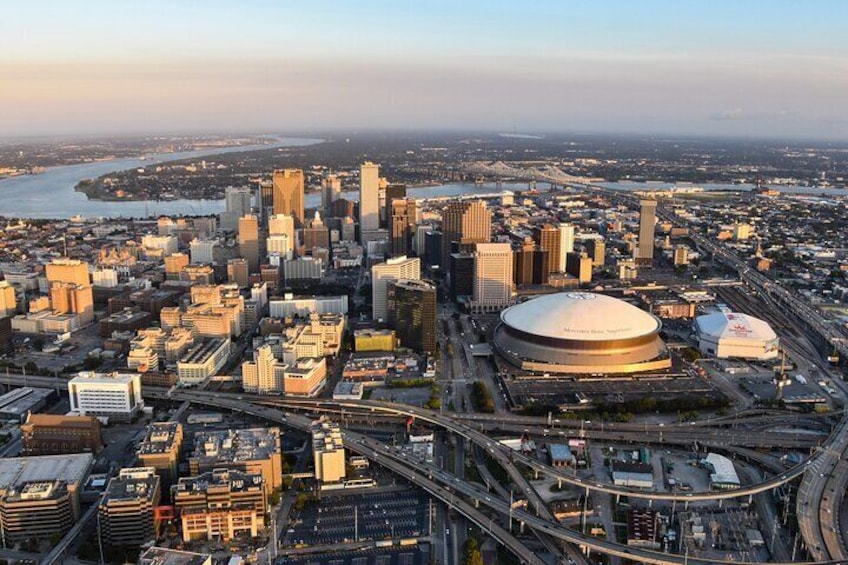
x,y
767,68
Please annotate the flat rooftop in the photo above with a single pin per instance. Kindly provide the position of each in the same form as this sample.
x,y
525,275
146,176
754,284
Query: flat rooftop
x,y
159,438
164,556
235,445
132,484
72,469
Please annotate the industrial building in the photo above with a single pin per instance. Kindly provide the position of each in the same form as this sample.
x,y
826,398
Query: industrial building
x,y
722,472
580,333
731,335
632,474
17,404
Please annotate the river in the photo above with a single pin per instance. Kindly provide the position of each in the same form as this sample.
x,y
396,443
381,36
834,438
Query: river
x,y
51,194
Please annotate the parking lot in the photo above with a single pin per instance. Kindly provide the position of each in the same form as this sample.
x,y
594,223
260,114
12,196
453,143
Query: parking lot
x,y
412,555
377,516
563,391
417,396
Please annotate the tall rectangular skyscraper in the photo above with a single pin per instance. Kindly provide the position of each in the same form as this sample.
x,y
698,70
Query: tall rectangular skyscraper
x,y
248,239
238,199
393,269
288,193
411,306
492,276
566,246
647,219
402,214
549,238
465,223
369,198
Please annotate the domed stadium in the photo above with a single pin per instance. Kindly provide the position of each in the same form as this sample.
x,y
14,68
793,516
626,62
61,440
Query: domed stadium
x,y
580,333
730,335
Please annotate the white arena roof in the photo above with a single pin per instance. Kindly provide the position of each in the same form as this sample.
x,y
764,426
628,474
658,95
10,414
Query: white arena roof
x,y
734,326
582,316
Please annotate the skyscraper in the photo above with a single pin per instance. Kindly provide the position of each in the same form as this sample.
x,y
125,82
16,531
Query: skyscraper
x,y
647,219
369,199
395,268
492,276
549,238
248,239
402,214
71,271
316,234
411,306
238,272
331,190
387,195
283,224
238,204
466,223
566,243
579,265
530,264
597,251
288,193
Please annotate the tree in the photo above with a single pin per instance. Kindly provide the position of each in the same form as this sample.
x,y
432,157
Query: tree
x,y
472,553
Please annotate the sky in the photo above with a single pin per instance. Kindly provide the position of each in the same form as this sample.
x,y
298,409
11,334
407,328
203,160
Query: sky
x,y
735,68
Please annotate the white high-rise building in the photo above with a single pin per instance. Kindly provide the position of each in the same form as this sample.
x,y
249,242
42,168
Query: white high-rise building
x,y
283,224
113,395
492,276
393,269
369,199
566,242
259,375
167,243
104,277
202,250
281,245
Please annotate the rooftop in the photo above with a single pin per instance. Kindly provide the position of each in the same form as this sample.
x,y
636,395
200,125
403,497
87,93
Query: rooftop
x,y
236,445
580,316
164,556
159,438
90,377
236,480
132,484
69,468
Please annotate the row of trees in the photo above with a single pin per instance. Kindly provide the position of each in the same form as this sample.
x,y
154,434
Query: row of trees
x,y
481,399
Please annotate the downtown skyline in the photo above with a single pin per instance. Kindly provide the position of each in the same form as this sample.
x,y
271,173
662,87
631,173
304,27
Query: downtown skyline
x,y
727,69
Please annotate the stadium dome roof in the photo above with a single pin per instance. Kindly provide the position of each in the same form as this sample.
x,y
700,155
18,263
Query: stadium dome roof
x,y
734,326
580,316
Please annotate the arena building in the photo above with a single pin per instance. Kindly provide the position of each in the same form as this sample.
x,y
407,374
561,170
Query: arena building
x,y
581,333
729,335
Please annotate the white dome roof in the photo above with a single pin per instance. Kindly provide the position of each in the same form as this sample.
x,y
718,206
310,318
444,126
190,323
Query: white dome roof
x,y
582,316
734,326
